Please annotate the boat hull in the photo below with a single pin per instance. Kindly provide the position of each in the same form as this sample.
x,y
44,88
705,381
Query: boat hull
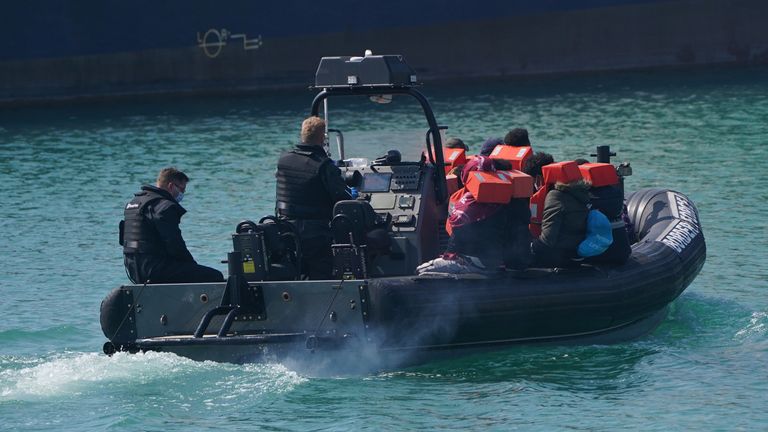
x,y
386,322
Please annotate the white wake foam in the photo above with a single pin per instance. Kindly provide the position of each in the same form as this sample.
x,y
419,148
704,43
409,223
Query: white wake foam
x,y
77,373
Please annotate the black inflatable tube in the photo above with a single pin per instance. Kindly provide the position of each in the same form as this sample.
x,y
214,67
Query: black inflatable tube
x,y
588,303
442,312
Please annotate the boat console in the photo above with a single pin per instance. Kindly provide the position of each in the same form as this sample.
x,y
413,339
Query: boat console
x,y
403,197
408,198
403,203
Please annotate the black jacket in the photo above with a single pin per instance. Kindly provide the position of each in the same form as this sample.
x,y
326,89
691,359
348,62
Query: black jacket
x,y
564,222
308,184
152,226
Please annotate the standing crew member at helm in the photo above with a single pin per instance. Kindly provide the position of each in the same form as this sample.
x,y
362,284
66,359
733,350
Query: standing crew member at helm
x,y
308,186
153,248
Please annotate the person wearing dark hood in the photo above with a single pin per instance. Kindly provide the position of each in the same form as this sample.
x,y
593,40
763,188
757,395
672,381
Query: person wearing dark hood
x,y
563,225
153,248
489,145
308,186
517,137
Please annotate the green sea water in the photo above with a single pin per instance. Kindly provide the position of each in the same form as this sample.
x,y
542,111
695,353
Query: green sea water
x,y
66,172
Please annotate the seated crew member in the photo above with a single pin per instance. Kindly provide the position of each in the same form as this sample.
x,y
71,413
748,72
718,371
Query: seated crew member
x,y
308,186
153,248
494,233
563,224
517,137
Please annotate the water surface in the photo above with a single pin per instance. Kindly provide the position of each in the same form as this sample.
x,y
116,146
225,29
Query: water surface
x,y
67,171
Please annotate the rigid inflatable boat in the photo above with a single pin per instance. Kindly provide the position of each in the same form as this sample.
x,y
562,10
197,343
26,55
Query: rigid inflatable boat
x,y
377,312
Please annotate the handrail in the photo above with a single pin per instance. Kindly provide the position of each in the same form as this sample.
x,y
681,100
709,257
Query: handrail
x,y
434,129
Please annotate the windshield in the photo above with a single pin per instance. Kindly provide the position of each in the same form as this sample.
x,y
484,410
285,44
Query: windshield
x,y
371,129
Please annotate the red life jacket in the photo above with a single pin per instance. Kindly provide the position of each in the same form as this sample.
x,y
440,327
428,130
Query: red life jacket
x,y
537,210
515,155
463,208
453,157
599,174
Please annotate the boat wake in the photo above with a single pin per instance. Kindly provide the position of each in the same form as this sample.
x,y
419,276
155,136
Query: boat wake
x,y
73,374
757,327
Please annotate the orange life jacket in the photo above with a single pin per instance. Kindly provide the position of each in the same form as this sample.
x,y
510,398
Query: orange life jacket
x,y
599,174
453,157
522,183
515,155
537,210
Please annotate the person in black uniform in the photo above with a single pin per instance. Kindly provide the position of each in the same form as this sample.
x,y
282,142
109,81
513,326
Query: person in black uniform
x,y
308,186
153,248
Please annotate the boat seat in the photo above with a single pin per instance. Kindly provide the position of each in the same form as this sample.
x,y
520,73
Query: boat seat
x,y
355,223
358,236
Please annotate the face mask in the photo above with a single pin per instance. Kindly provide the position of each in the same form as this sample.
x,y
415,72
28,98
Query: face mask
x,y
180,195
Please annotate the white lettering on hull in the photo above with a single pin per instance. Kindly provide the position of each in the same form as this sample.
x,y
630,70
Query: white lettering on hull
x,y
687,226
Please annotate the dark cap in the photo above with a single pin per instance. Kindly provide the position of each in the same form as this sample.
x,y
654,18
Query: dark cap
x,y
489,145
453,143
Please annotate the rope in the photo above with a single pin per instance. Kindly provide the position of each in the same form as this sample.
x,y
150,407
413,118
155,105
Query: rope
x,y
330,305
133,305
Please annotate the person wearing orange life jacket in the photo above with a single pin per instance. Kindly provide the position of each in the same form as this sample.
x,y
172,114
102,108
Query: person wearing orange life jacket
x,y
487,148
563,224
533,167
607,196
456,143
495,233
517,137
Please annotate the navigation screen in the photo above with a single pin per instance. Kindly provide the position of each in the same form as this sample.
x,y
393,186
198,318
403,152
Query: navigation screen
x,y
376,182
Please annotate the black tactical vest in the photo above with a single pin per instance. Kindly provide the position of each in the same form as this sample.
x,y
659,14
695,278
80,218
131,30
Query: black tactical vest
x,y
137,233
300,191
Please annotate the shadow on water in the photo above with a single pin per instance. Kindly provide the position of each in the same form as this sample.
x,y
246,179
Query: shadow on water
x,y
576,368
695,327
703,321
